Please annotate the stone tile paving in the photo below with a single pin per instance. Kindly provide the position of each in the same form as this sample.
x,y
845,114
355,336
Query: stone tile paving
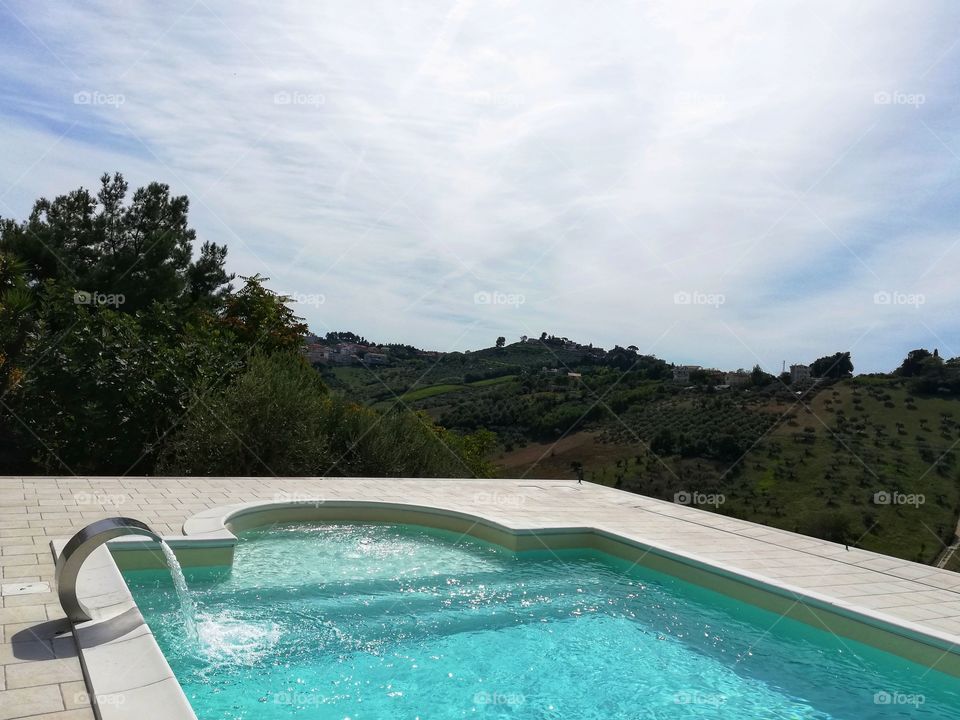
x,y
40,674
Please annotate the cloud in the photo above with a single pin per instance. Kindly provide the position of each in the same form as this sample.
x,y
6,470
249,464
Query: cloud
x,y
597,159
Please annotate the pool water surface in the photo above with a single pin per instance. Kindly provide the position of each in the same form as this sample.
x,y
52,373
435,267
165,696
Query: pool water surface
x,y
354,620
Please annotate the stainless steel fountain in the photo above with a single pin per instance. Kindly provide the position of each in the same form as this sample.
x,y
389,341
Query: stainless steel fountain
x,y
79,548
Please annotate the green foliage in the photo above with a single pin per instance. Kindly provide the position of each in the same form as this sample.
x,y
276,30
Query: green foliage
x,y
912,364
139,251
838,365
930,374
261,319
175,366
343,336
270,421
759,378
16,300
101,387
278,419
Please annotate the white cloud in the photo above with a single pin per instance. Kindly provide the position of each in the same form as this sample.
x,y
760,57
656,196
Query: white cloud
x,y
596,158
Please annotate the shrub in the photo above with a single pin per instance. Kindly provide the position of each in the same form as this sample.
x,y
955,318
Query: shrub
x,y
277,418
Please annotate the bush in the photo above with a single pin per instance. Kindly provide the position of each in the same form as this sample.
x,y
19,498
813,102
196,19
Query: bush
x,y
277,418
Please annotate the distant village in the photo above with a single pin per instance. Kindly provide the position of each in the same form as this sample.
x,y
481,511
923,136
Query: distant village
x,y
721,379
320,351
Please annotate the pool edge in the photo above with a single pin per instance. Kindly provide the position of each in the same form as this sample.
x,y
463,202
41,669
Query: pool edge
x,y
896,636
117,648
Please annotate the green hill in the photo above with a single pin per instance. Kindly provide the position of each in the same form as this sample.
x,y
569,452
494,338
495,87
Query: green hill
x,y
866,461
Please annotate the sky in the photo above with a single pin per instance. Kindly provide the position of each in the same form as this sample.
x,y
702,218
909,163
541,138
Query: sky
x,y
724,186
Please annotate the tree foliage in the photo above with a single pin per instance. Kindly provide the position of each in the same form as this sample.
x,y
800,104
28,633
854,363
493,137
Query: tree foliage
x,y
279,419
175,369
930,374
141,250
838,365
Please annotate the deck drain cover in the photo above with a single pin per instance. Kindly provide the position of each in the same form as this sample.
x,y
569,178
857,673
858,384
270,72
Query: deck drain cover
x,y
27,588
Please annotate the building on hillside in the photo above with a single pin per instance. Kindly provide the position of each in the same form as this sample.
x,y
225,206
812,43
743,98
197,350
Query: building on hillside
x,y
316,353
574,375
372,358
738,378
344,353
799,373
681,373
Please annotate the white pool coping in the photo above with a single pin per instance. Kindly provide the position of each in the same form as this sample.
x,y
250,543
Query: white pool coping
x,y
917,599
129,677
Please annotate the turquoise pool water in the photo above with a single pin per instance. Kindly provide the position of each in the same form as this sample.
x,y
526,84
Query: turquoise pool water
x,y
374,621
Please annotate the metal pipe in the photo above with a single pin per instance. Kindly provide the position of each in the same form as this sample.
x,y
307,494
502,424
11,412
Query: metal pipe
x,y
78,549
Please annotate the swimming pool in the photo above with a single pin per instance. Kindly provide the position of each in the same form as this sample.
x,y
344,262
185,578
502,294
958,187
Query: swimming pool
x,y
361,620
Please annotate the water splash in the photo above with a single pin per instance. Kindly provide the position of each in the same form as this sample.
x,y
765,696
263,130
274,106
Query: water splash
x,y
235,638
188,608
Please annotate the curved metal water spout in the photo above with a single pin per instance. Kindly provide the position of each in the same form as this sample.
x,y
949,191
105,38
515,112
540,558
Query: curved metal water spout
x,y
79,548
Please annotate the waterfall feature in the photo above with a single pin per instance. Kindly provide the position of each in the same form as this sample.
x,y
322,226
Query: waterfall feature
x,y
188,609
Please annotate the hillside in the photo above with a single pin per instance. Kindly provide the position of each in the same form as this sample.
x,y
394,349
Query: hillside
x,y
862,462
865,461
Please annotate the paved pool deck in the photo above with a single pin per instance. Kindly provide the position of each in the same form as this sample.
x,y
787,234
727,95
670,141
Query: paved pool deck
x,y
41,676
